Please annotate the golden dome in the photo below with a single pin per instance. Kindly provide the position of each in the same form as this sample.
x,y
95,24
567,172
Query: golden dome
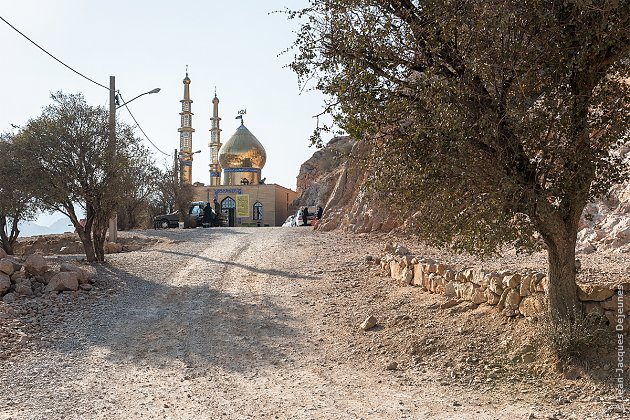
x,y
242,150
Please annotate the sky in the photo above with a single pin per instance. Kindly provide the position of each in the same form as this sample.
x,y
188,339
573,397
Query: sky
x,y
233,46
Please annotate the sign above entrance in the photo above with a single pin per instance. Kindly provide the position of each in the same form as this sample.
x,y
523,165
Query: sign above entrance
x,y
242,205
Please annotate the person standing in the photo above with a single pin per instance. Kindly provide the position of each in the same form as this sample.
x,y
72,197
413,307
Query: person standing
x,y
320,212
305,216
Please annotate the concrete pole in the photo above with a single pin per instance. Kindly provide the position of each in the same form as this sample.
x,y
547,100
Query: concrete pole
x,y
113,221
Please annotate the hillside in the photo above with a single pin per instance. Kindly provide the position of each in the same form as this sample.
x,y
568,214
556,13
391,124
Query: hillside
x,y
334,178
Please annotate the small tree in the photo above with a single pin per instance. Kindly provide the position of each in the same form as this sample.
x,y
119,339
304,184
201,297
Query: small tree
x,y
17,189
76,164
492,120
172,195
142,183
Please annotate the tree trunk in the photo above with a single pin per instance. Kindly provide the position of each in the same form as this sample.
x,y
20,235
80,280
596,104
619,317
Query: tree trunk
x,y
564,305
99,233
6,243
88,246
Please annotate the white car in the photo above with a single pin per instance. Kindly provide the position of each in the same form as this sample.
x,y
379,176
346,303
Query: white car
x,y
290,221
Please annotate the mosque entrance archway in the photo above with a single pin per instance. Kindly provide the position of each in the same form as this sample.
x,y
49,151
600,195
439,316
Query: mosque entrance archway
x,y
228,208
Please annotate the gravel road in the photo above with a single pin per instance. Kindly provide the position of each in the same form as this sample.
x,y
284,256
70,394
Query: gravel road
x,y
229,323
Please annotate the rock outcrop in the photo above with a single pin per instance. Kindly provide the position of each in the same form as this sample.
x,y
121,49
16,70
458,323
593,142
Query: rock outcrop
x,y
34,276
334,177
605,223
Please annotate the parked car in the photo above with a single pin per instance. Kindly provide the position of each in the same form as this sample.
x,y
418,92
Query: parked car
x,y
299,217
195,212
290,221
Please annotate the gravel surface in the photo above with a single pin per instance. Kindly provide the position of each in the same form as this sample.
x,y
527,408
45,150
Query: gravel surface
x,y
253,323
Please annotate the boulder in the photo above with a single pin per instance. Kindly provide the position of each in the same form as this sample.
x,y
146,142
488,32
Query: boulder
x,y
450,290
539,283
84,276
395,270
24,288
406,276
6,267
465,291
501,304
594,292
525,283
370,322
401,250
112,248
405,260
35,265
8,298
532,306
17,264
617,301
491,297
5,283
418,275
3,253
512,280
478,297
496,285
385,268
512,299
18,276
64,280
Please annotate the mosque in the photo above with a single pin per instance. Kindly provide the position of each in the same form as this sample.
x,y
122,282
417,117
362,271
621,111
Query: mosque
x,y
236,188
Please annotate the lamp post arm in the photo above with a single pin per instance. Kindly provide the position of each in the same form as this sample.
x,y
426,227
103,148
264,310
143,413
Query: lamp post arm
x,y
156,90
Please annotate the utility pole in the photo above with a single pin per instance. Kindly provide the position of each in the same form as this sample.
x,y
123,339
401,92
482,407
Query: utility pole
x,y
113,221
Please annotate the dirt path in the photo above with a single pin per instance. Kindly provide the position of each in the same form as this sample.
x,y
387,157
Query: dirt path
x,y
236,323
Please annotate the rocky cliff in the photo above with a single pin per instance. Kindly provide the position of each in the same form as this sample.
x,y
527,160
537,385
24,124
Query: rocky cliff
x,y
334,178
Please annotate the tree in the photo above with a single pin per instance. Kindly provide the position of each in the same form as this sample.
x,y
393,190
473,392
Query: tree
x,y
495,120
142,183
17,189
173,195
76,164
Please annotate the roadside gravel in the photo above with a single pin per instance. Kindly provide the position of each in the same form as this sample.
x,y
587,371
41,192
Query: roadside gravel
x,y
246,323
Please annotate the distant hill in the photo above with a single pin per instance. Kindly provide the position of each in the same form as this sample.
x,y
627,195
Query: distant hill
x,y
33,229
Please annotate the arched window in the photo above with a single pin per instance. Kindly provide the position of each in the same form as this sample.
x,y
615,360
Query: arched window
x,y
258,208
228,203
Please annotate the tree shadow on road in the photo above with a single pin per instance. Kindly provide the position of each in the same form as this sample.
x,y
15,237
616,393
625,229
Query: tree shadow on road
x,y
200,328
251,268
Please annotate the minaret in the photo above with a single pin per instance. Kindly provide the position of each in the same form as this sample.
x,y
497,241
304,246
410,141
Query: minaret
x,y
215,143
185,136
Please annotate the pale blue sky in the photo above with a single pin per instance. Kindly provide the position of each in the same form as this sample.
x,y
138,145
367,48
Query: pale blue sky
x,y
233,45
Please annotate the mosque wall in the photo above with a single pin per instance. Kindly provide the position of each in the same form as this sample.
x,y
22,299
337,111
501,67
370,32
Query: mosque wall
x,y
274,199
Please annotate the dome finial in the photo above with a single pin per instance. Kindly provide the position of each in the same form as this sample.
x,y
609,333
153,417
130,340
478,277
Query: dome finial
x,y
186,70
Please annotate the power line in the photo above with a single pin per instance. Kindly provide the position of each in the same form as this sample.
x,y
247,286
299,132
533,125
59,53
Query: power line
x,y
138,125
84,76
55,58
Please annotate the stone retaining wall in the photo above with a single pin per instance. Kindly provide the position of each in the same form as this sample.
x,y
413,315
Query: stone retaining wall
x,y
513,293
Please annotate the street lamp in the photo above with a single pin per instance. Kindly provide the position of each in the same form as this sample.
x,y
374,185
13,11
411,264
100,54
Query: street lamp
x,y
156,90
113,221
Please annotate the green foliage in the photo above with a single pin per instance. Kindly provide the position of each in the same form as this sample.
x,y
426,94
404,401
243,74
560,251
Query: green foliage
x,y
17,191
142,181
492,119
571,340
75,163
